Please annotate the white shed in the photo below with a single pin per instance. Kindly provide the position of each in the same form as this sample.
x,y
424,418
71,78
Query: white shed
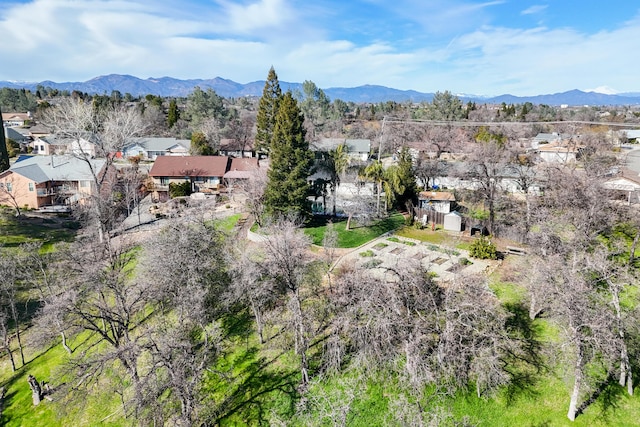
x,y
453,221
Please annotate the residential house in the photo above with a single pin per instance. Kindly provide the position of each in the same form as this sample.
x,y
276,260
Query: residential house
x,y
546,138
205,173
37,182
236,148
357,149
240,169
559,152
632,135
14,135
151,148
625,185
49,145
39,130
46,146
16,119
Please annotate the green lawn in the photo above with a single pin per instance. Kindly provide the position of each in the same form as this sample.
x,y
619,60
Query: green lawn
x,y
16,231
227,223
357,235
45,365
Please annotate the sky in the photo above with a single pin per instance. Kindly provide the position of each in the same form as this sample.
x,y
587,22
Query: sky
x,y
479,47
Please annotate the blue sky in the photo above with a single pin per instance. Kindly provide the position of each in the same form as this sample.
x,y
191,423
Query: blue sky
x,y
488,47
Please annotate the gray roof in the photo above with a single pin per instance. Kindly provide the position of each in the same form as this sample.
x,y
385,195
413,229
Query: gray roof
x,y
632,133
51,140
158,144
358,145
327,144
353,145
13,134
56,168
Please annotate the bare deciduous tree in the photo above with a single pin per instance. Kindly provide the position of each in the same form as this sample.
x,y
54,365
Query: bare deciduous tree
x,y
9,288
287,265
108,130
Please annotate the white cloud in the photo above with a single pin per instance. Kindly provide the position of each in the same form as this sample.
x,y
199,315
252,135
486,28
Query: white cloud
x,y
78,40
260,15
535,9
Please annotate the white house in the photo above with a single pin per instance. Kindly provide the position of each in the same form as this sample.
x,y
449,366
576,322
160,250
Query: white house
x,y
150,148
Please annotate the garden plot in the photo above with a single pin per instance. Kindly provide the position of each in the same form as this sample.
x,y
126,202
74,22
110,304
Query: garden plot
x,y
443,262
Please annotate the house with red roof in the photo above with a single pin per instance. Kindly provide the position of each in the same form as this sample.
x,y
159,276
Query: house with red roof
x,y
205,173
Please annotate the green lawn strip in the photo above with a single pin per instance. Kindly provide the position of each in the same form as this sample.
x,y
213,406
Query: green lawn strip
x,y
228,223
435,237
357,235
508,293
16,231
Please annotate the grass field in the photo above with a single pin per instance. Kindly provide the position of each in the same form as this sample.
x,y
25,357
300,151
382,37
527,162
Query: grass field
x,y
251,382
16,231
357,235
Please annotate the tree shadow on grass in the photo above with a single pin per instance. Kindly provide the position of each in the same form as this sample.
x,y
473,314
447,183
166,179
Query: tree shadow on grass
x,y
246,386
608,393
526,364
251,389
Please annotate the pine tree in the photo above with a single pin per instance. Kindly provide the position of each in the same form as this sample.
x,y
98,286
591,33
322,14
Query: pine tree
x,y
287,188
4,155
267,111
173,114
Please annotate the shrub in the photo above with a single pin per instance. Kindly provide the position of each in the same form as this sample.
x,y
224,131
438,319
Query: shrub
x,y
464,261
483,248
372,263
367,253
408,220
179,190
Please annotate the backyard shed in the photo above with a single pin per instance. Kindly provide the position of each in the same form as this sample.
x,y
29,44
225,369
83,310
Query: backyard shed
x,y
453,221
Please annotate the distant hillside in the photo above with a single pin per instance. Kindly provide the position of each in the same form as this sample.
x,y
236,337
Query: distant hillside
x,y
168,86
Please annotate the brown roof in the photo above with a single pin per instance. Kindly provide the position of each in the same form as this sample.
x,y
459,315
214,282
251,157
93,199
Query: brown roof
x,y
441,196
39,129
15,116
243,164
180,166
230,144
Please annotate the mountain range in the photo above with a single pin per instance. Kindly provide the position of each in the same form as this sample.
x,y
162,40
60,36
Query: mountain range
x,y
168,86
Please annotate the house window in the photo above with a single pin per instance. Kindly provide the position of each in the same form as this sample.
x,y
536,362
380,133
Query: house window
x,y
31,186
164,180
42,148
85,184
9,186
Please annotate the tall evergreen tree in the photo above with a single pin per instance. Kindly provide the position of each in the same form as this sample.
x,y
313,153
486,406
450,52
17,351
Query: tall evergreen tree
x,y
287,188
267,111
173,115
4,154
